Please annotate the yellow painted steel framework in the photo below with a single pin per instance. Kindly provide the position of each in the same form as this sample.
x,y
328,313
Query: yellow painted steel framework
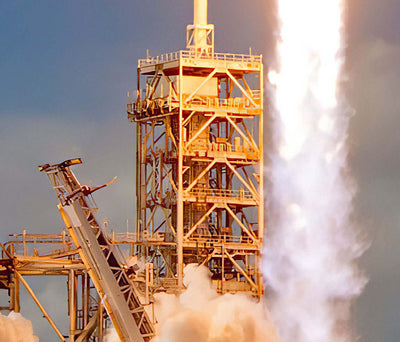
x,y
199,184
200,197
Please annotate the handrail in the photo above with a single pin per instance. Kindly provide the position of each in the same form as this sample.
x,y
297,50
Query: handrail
x,y
232,103
242,194
38,244
129,237
229,103
221,238
172,56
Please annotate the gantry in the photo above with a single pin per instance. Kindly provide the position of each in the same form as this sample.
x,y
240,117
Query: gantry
x,y
199,183
199,189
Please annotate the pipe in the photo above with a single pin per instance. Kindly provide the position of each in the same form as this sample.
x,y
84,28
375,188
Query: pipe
x,y
40,306
72,288
200,12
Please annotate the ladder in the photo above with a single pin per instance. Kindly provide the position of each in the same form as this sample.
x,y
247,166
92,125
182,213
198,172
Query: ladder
x,y
109,276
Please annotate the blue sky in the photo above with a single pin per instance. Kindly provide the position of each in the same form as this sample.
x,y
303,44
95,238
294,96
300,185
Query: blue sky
x,y
65,69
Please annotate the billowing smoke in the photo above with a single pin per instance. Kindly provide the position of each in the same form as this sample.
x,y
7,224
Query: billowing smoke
x,y
312,244
15,328
110,335
200,315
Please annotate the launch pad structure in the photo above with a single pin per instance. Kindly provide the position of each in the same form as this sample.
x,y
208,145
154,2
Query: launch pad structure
x,y
199,189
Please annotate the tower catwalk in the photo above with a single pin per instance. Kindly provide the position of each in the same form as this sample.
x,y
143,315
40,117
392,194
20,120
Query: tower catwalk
x,y
199,182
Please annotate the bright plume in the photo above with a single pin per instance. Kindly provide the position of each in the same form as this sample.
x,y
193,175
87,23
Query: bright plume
x,y
110,335
15,328
313,244
201,315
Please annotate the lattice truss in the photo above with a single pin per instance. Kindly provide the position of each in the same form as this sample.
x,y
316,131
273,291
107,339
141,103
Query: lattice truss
x,y
199,166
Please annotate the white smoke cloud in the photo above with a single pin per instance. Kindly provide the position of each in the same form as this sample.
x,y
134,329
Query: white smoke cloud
x,y
111,335
201,315
312,245
15,328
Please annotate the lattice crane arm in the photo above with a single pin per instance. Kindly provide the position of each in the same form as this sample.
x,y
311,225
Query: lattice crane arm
x,y
107,273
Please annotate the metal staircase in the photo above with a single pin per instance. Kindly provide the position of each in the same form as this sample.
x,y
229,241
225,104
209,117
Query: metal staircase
x,y
100,257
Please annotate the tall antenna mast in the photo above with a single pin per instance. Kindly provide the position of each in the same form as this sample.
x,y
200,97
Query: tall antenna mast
x,y
200,35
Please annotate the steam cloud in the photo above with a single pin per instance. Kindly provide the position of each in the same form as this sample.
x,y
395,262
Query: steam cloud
x,y
111,335
15,328
311,251
201,315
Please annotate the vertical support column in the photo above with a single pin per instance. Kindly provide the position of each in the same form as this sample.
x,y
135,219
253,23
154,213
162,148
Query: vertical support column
x,y
223,267
14,293
138,177
72,304
179,228
261,163
85,298
261,186
25,251
149,281
100,326
144,137
17,306
139,171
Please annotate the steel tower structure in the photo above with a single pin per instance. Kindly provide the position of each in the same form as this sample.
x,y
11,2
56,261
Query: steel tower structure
x,y
200,197
199,183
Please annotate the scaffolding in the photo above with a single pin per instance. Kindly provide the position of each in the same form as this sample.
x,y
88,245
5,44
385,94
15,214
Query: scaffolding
x,y
199,183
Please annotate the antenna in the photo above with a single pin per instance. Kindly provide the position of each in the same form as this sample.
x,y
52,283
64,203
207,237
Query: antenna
x,y
200,12
200,35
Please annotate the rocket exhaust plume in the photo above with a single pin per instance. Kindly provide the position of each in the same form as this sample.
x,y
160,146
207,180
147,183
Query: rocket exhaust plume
x,y
199,314
313,244
15,328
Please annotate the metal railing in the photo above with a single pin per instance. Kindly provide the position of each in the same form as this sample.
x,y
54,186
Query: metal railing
x,y
224,149
121,237
172,56
224,193
129,237
230,103
38,244
241,239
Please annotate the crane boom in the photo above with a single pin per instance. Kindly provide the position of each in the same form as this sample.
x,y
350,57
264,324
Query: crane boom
x,y
112,283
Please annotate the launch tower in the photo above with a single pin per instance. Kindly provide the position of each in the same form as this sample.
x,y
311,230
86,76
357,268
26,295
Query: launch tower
x,y
199,187
199,162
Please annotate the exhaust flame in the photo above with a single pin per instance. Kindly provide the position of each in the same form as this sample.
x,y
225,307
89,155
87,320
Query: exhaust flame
x,y
310,255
